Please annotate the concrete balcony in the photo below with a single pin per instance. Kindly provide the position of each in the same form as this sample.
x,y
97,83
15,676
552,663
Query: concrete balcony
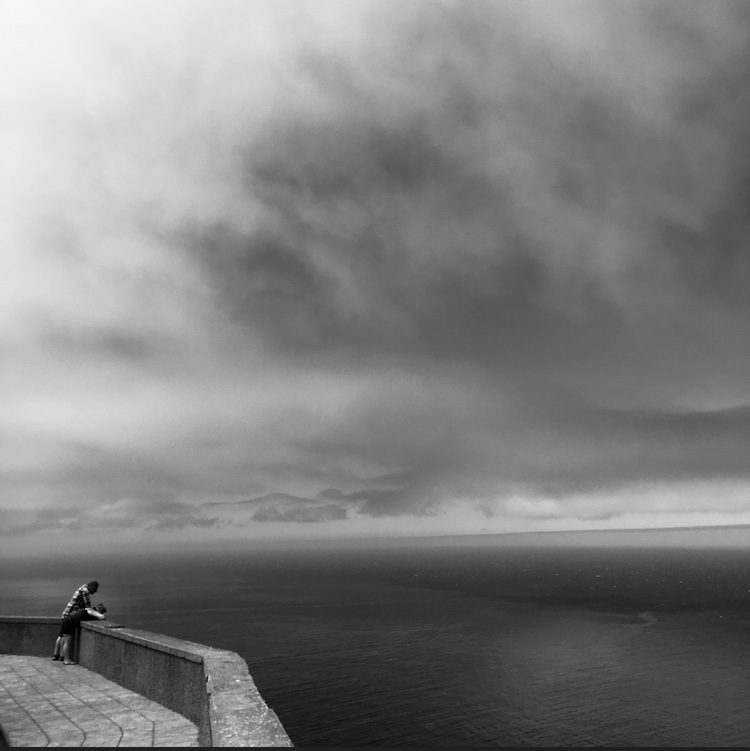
x,y
145,687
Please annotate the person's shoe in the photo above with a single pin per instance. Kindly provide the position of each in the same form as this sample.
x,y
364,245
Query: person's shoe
x,y
56,657
69,662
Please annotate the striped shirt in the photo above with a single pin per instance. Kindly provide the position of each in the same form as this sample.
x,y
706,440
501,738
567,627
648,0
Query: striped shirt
x,y
81,599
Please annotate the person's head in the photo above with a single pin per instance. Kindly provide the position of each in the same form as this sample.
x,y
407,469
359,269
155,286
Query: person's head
x,y
100,608
92,586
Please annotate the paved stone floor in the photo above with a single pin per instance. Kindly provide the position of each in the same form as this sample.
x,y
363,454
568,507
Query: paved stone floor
x,y
46,703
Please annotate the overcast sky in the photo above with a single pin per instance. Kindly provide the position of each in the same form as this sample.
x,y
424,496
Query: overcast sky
x,y
342,267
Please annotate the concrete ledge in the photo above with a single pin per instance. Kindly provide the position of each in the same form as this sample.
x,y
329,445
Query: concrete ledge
x,y
237,712
211,687
157,642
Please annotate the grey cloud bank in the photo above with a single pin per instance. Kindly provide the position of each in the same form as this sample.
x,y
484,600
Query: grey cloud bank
x,y
351,266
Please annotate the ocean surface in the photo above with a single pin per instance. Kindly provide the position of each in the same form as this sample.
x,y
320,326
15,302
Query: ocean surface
x,y
444,645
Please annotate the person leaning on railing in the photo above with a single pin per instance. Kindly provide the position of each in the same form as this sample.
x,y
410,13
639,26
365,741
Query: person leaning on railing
x,y
72,623
81,599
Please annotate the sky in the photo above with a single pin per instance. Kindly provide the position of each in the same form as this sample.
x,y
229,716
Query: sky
x,y
338,268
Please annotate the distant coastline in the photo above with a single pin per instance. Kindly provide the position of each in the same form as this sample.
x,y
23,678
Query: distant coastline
x,y
726,535
723,535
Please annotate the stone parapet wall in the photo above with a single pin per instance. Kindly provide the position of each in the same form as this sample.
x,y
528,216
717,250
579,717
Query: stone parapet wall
x,y
28,635
148,664
211,687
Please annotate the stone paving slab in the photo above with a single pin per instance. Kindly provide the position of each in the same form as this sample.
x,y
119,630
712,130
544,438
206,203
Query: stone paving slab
x,y
46,703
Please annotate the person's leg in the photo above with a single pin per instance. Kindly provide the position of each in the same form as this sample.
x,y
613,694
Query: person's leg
x,y
67,640
58,644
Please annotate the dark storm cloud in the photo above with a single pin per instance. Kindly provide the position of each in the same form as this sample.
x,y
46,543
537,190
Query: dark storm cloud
x,y
473,194
279,507
479,194
546,450
120,515
407,253
409,499
617,447
300,513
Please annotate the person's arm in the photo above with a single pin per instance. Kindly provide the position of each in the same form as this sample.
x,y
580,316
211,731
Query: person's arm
x,y
95,614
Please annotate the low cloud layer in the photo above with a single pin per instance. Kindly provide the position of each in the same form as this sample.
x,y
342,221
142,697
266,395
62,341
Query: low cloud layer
x,y
400,263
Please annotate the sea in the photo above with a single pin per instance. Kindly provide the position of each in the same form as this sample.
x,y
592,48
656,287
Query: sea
x,y
444,644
